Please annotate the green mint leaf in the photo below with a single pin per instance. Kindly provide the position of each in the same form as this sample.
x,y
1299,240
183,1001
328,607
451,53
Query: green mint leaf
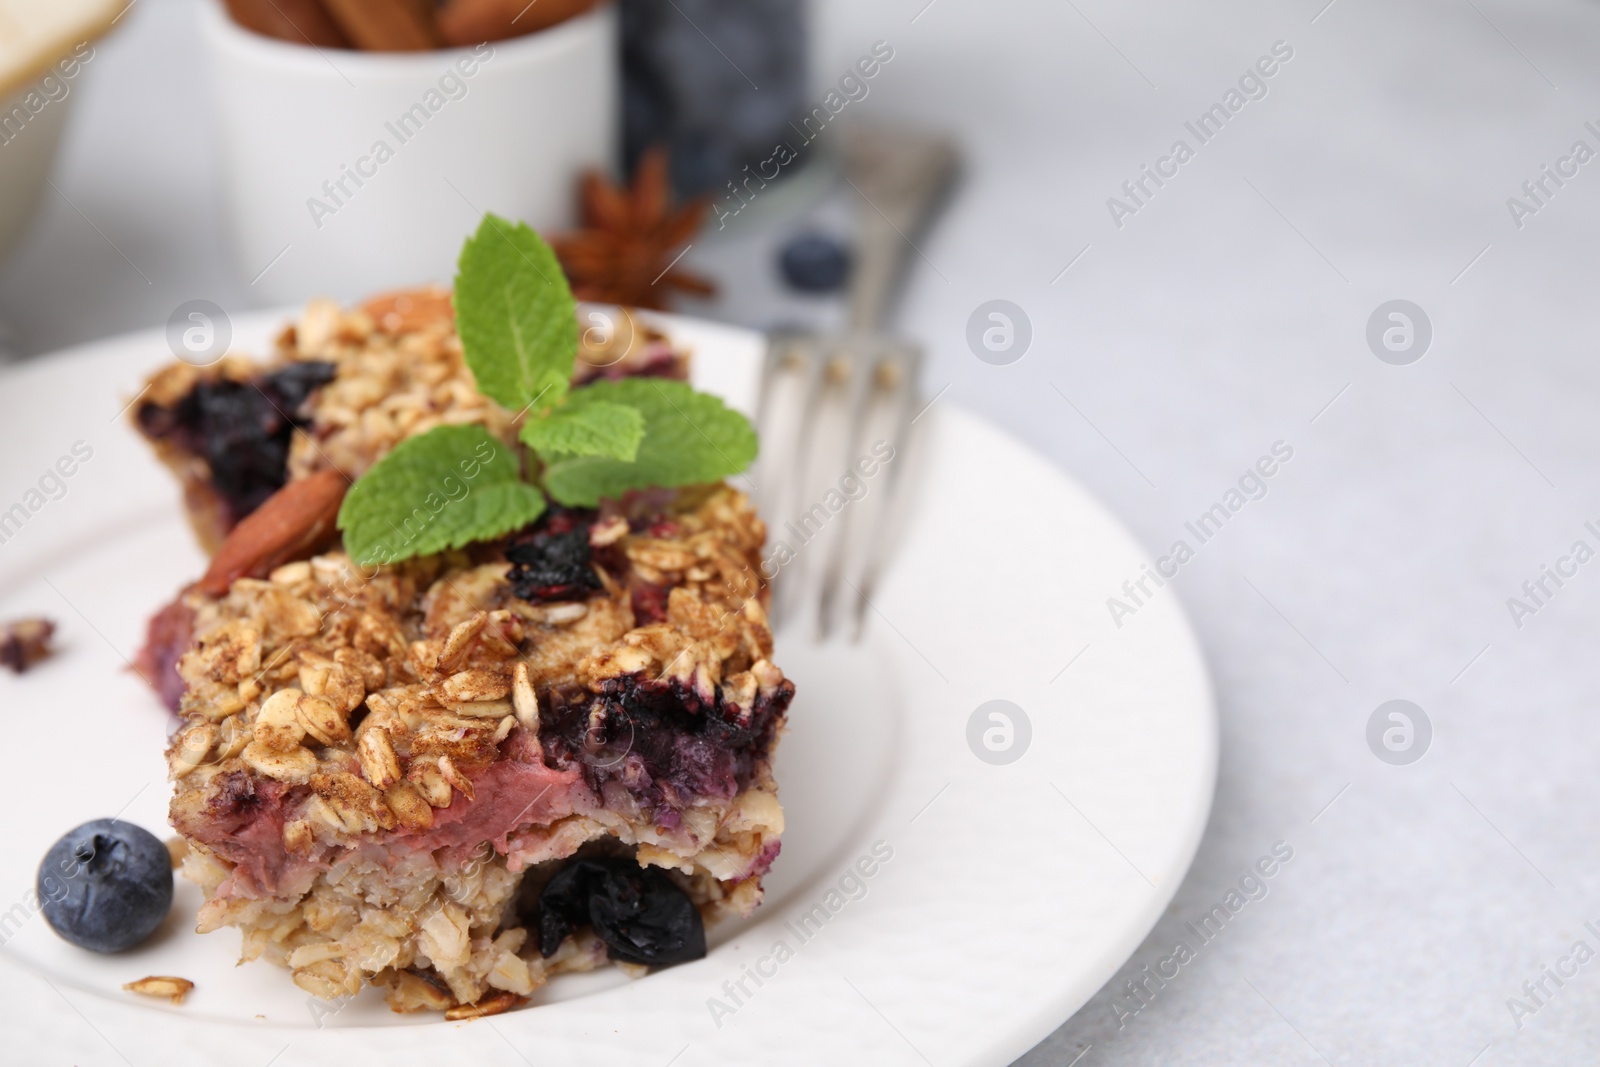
x,y
515,315
442,489
689,437
584,426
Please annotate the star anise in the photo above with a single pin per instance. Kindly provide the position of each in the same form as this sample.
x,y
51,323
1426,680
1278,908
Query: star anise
x,y
626,253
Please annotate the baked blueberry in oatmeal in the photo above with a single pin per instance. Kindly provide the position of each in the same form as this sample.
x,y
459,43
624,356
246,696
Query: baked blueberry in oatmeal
x,y
551,560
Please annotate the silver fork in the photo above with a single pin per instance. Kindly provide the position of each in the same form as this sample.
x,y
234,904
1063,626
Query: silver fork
x,y
835,411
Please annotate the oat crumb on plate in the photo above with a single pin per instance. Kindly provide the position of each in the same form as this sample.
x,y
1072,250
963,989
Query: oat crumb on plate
x,y
162,985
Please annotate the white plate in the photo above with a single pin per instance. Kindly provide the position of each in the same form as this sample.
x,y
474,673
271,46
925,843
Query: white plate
x,y
1010,892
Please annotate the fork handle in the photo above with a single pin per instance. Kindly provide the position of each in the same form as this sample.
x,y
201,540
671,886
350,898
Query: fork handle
x,y
901,176
880,262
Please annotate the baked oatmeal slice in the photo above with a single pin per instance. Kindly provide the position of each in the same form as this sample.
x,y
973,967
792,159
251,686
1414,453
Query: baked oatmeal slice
x,y
423,776
340,391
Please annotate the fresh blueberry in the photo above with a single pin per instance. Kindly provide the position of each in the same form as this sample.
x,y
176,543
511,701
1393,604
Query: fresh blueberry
x,y
815,263
639,912
106,886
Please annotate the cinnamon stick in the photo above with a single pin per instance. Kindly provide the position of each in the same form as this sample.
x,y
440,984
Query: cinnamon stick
x,y
469,22
299,21
385,25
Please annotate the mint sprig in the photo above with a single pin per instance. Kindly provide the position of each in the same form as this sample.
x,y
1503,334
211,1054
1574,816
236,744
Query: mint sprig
x,y
518,324
442,489
587,425
689,438
515,315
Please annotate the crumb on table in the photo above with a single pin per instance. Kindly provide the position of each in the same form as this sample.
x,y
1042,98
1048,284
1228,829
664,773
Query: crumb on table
x,y
24,642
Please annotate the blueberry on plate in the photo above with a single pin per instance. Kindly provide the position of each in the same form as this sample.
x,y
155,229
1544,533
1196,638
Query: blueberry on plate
x,y
815,263
106,886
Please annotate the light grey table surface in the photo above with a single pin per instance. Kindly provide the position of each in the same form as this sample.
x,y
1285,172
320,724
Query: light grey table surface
x,y
1229,312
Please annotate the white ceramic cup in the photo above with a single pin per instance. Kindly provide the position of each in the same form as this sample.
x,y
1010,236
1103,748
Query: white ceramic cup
x,y
348,173
28,144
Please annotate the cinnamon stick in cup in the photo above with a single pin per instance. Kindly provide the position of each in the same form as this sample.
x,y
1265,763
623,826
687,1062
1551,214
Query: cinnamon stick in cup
x,y
300,21
386,25
469,22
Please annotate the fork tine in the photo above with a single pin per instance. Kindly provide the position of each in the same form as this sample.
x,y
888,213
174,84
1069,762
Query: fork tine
x,y
822,513
824,404
784,380
786,396
810,528
885,416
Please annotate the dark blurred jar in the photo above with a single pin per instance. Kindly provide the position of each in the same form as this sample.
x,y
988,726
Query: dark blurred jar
x,y
716,81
